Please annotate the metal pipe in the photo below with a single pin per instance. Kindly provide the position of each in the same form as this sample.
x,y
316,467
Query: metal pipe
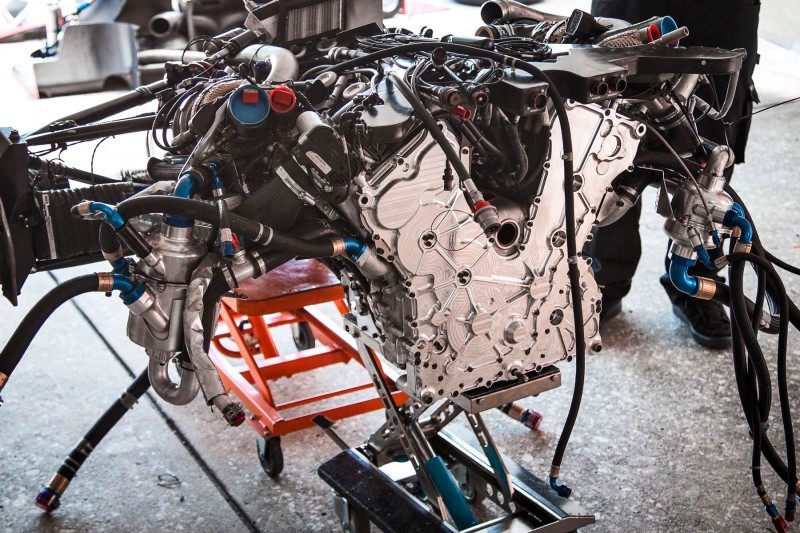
x,y
283,64
509,10
140,95
166,24
94,131
176,394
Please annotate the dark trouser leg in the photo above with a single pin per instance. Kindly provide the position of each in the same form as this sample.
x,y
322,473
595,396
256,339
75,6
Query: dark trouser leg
x,y
615,251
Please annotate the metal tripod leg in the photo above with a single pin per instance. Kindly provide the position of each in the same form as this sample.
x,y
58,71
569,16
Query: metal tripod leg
x,y
50,496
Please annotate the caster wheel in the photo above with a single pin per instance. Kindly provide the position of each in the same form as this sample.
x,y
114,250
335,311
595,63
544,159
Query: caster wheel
x,y
303,336
270,455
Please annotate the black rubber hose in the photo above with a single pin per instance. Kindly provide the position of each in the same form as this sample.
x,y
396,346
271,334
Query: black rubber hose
x,y
722,295
218,286
37,163
783,336
104,424
755,353
205,212
134,98
273,204
429,122
109,242
18,343
161,170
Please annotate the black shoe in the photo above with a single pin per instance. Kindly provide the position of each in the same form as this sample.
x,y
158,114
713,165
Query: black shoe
x,y
610,309
707,319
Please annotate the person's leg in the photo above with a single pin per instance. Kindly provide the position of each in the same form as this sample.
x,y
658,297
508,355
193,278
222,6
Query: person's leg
x,y
615,252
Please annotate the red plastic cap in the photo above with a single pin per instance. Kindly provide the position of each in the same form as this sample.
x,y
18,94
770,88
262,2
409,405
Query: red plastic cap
x,y
480,205
250,96
461,112
282,100
653,33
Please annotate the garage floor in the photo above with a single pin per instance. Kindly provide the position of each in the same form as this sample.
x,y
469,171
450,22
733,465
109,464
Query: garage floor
x,y
660,444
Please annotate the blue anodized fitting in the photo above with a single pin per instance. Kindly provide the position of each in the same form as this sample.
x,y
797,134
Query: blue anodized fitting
x,y
108,213
188,185
735,218
680,277
562,490
354,247
129,290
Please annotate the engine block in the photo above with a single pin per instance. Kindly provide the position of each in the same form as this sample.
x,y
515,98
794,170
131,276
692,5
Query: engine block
x,y
470,310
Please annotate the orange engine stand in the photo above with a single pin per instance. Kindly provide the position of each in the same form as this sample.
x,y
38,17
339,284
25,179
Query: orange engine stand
x,y
285,296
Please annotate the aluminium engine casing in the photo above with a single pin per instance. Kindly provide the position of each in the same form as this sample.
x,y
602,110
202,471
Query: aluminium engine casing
x,y
464,311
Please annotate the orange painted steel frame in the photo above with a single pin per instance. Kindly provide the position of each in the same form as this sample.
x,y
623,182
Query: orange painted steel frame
x,y
250,383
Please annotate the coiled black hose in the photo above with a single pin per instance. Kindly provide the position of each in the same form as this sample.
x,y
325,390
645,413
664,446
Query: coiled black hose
x,y
18,343
737,288
209,213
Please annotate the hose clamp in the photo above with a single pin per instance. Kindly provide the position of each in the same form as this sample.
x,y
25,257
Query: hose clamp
x,y
105,282
338,246
742,248
113,256
707,288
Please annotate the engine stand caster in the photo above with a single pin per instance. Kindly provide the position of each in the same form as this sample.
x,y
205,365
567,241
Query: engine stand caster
x,y
270,455
303,336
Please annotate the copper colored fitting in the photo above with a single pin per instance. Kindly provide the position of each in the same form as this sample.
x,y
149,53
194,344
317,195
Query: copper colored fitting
x,y
708,287
58,483
338,246
3,380
105,282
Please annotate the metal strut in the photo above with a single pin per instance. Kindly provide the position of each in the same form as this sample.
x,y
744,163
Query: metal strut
x,y
416,434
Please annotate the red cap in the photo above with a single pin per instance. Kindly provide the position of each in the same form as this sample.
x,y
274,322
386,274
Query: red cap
x,y
282,99
653,32
250,96
480,204
461,112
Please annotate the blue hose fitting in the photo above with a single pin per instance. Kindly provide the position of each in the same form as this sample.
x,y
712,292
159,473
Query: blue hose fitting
x,y
120,266
562,490
188,184
715,237
227,250
108,213
129,290
703,257
734,218
680,277
354,247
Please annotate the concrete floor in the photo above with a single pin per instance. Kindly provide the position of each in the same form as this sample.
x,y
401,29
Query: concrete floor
x,y
660,444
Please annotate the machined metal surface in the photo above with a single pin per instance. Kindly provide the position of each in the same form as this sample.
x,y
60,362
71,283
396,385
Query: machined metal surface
x,y
468,310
